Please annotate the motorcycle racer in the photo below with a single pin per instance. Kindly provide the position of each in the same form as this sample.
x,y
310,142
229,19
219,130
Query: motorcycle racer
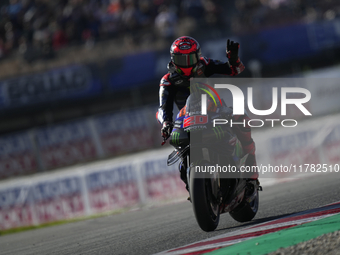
x,y
187,62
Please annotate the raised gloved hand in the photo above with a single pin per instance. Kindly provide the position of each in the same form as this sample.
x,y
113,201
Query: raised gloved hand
x,y
232,52
166,129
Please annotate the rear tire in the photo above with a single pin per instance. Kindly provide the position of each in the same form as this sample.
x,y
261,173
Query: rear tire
x,y
207,212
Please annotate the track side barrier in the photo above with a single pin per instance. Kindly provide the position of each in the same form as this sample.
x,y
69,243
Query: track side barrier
x,y
144,178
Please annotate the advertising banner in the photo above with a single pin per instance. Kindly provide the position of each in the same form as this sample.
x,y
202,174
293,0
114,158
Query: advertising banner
x,y
290,42
65,144
160,180
57,199
324,85
41,201
15,210
331,146
311,148
63,83
78,141
126,131
294,149
17,155
112,188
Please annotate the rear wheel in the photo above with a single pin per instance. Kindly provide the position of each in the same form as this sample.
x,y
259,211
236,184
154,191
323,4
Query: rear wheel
x,y
205,204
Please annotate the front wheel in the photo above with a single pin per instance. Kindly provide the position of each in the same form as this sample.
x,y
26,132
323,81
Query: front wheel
x,y
205,204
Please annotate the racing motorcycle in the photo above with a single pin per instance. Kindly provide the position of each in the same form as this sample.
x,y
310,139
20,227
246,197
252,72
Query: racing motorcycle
x,y
201,147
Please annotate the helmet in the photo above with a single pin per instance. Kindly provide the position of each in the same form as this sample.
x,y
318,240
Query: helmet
x,y
185,53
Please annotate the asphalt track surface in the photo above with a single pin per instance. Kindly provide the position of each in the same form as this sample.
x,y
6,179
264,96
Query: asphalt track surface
x,y
152,230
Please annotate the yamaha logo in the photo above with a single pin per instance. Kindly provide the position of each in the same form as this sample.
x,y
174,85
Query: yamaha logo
x,y
179,82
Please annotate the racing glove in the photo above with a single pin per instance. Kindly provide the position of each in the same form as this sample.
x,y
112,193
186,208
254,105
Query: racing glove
x,y
232,52
166,129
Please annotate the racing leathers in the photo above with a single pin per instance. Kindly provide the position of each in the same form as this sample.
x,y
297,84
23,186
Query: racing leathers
x,y
175,88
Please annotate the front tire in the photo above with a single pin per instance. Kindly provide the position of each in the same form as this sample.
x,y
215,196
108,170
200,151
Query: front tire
x,y
205,206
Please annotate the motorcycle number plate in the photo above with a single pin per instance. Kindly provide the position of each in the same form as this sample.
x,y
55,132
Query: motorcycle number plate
x,y
195,120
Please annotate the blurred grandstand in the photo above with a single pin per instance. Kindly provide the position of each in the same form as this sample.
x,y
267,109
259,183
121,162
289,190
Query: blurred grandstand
x,y
67,60
33,30
39,29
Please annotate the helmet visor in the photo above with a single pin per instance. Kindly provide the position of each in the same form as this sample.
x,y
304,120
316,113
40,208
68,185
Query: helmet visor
x,y
185,60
